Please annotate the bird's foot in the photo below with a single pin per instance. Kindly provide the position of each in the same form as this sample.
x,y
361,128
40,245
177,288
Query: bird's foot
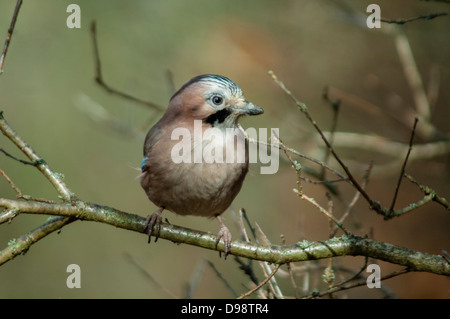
x,y
225,234
151,221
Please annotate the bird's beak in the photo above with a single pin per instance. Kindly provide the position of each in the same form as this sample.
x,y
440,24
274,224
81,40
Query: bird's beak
x,y
247,108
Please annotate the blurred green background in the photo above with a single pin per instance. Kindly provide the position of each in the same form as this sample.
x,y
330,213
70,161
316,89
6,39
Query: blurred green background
x,y
48,84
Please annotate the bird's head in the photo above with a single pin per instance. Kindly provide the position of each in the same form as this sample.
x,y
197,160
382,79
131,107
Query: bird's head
x,y
214,99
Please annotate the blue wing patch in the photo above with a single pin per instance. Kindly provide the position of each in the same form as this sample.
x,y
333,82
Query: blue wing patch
x,y
144,162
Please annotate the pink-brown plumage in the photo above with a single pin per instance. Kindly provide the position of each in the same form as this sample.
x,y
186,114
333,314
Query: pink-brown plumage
x,y
202,189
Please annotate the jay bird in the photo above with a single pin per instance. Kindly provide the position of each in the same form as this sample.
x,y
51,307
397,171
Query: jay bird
x,y
192,187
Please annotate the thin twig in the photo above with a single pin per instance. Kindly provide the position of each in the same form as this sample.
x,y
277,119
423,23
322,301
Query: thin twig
x,y
34,163
248,293
355,276
299,190
10,32
422,17
243,213
354,200
322,210
302,107
404,165
430,192
102,83
19,192
247,269
295,152
54,178
23,243
359,284
219,275
265,266
335,106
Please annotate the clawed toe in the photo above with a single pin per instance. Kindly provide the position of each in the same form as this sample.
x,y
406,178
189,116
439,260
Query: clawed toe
x,y
151,221
225,234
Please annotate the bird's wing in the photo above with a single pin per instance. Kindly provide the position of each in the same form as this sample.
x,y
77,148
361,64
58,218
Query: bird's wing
x,y
153,136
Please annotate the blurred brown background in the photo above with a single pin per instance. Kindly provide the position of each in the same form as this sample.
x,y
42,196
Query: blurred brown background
x,y
48,83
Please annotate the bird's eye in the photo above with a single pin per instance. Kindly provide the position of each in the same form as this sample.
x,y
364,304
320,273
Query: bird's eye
x,y
217,100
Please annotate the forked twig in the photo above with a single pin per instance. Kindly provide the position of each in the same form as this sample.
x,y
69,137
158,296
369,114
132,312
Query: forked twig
x,y
430,192
102,83
358,284
250,292
302,107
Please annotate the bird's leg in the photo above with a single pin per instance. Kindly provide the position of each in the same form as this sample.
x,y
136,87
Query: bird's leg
x,y
155,218
226,235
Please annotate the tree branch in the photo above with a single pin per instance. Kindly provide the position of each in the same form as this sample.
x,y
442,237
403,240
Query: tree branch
x,y
102,83
10,32
54,178
277,254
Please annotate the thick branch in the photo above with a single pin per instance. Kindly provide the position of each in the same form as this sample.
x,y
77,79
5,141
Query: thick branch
x,y
277,254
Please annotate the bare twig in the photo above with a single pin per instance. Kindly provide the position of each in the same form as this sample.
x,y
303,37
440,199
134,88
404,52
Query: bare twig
x,y
430,192
54,178
404,165
247,269
335,106
421,17
300,193
248,293
102,83
354,200
23,243
34,163
266,267
219,275
281,146
19,192
10,32
362,283
375,205
302,107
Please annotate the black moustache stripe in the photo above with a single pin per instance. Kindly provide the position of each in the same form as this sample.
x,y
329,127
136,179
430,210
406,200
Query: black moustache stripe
x,y
217,117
